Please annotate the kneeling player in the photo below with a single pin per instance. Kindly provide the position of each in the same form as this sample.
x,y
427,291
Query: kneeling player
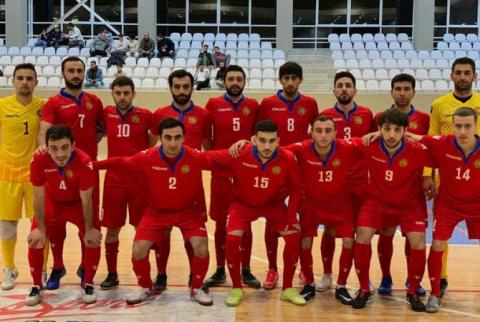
x,y
63,180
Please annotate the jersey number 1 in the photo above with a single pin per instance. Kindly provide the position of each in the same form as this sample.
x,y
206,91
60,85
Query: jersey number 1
x,y
26,128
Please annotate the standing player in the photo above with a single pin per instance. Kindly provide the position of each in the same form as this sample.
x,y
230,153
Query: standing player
x,y
19,121
83,113
293,113
63,181
233,118
172,201
457,157
393,199
128,132
351,120
463,75
403,91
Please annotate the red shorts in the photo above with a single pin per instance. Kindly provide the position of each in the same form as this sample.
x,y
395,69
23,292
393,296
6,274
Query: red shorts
x,y
220,196
116,200
153,224
341,219
376,215
240,216
446,218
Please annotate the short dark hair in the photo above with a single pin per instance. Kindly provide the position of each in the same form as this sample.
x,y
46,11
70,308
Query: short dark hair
x,y
123,81
179,73
235,68
290,68
132,36
71,59
465,112
464,61
160,35
403,78
393,116
343,74
58,132
205,45
266,126
70,24
170,123
323,118
25,66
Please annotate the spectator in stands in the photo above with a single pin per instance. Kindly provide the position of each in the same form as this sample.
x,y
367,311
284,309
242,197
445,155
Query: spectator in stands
x,y
107,34
100,46
146,48
132,47
75,38
119,72
220,77
220,57
94,77
121,46
55,37
42,40
202,77
165,47
205,58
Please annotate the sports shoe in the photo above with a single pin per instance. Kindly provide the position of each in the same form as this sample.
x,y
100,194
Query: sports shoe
x,y
249,279
201,296
54,281
88,294
34,296
292,295
235,297
160,283
217,278
415,303
341,294
141,295
362,299
325,283
271,280
110,282
308,292
443,287
420,290
10,275
385,287
433,304
81,273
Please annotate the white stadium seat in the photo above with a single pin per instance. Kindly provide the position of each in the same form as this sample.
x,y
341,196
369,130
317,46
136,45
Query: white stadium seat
x,y
372,85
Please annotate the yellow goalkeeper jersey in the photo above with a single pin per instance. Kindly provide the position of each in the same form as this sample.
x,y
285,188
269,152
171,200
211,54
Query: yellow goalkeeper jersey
x,y
18,128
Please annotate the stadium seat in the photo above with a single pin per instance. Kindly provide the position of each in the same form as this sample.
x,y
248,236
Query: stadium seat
x,y
427,85
221,37
196,45
62,51
55,60
372,85
378,63
42,81
381,74
402,37
186,36
394,45
254,45
161,83
357,73
241,45
13,51
384,85
360,85
361,54
459,37
473,54
148,83
232,37
411,54
441,86
448,37
84,52
390,63
191,62
197,37
441,45
243,62
429,63
25,51
393,72
267,63
193,53
398,54
454,46
382,46
435,74
368,74
379,37
278,62
333,38
164,72
403,63
268,84
466,46
175,36
421,74
442,64
36,51
30,60
364,63
344,37
111,70
16,60
335,46
8,71
256,54
242,54
41,61
406,46
435,54
416,63
356,37
472,38
255,37
278,54
367,37
460,54
370,46
74,51
347,45
255,84
336,54
447,54
54,81
155,62
390,37
386,54
139,72
255,63
351,63
151,72
373,54
180,63
3,81
359,45
48,71
266,45
182,53
256,73
349,54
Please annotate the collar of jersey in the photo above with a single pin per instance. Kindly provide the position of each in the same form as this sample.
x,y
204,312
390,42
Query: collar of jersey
x,y
61,170
130,109
290,104
346,117
185,111
384,149
412,110
333,146
165,158
263,165
66,95
234,105
465,157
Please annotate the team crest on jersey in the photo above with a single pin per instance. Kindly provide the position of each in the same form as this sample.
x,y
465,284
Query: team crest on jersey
x,y
413,125
69,173
135,118
358,120
88,105
276,170
403,163
336,163
192,120
301,110
245,111
477,163
185,169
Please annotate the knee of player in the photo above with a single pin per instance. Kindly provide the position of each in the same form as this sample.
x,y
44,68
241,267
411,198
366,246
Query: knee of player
x,y
8,229
438,245
364,235
347,243
112,235
200,247
139,251
306,242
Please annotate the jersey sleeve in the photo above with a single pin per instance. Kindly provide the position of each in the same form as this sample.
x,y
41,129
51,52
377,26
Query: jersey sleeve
x,y
36,174
48,112
87,179
133,162
357,145
221,157
295,148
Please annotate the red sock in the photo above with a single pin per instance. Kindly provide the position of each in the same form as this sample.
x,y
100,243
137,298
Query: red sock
x,y
246,248
345,264
57,239
271,244
35,259
111,255
434,270
91,260
220,238
327,249
306,262
82,246
362,254
385,253
162,252
190,255
199,270
232,252
141,267
416,269
290,258
407,249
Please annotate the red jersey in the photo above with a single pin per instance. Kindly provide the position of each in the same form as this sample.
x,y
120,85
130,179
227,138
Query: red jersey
x,y
127,135
292,117
83,116
418,121
394,180
63,184
357,123
256,184
170,187
197,121
459,173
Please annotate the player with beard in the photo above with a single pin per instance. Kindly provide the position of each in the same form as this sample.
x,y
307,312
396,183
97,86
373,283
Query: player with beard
x,y
463,75
292,112
198,134
233,117
351,120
